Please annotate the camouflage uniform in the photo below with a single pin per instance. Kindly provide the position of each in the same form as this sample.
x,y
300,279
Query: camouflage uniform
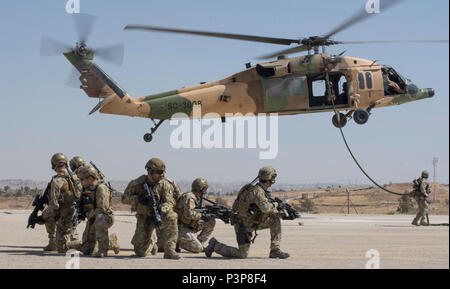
x,y
62,205
97,204
158,241
142,238
191,222
265,215
420,194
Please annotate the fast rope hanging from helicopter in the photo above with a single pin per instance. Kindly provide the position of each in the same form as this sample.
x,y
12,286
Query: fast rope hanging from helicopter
x,y
346,144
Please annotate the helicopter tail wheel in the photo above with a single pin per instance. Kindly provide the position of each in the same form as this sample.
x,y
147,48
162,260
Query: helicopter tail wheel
x,y
341,122
361,116
148,137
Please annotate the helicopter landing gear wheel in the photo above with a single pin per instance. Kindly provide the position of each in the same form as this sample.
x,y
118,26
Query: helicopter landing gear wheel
x,y
341,122
361,116
148,137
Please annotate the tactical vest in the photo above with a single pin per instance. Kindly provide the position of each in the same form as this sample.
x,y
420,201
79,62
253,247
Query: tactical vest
x,y
245,209
179,209
68,192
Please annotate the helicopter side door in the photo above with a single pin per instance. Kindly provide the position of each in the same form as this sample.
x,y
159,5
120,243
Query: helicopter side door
x,y
369,86
285,93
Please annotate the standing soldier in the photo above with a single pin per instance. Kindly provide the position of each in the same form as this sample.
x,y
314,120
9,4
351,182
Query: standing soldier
x,y
253,211
136,196
158,240
420,194
96,202
191,221
61,205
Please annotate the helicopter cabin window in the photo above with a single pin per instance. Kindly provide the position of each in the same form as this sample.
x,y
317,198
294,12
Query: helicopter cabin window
x,y
361,81
276,88
296,86
369,80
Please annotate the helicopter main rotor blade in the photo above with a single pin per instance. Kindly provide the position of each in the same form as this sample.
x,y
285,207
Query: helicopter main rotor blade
x,y
282,41
113,53
395,41
51,47
286,51
83,24
361,15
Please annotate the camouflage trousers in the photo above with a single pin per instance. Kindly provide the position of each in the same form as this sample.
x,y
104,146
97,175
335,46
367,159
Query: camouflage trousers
x,y
96,234
64,229
244,236
50,223
192,243
142,238
422,211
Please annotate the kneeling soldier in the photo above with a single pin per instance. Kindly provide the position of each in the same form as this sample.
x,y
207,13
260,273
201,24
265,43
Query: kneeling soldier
x,y
149,215
96,204
190,221
253,211
64,189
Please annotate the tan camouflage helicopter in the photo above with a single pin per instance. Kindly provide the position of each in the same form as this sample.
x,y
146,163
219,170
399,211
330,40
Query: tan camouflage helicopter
x,y
286,86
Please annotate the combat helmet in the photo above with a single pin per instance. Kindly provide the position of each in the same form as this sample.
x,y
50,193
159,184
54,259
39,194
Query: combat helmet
x,y
200,185
425,174
58,159
76,162
267,174
155,164
86,171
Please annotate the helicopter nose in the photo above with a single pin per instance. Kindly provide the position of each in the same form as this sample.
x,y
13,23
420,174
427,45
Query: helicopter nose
x,y
430,92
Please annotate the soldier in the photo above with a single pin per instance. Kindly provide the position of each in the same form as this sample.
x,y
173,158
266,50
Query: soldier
x,y
191,221
420,193
158,241
135,196
96,201
252,211
61,205
76,163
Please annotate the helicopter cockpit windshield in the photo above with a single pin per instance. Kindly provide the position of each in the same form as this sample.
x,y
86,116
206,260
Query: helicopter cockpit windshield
x,y
394,83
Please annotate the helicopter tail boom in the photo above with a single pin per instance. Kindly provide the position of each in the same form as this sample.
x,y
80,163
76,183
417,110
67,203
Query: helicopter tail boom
x,y
97,84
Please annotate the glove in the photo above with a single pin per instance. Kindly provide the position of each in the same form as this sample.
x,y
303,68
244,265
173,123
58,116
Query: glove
x,y
207,217
144,199
40,220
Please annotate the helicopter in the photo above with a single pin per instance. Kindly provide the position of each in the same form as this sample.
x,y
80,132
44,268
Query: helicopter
x,y
312,83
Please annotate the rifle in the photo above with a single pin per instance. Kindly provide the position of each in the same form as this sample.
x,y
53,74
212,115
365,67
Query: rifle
x,y
153,205
38,203
102,176
216,210
287,212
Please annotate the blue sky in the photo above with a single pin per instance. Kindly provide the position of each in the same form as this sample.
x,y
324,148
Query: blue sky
x,y
39,115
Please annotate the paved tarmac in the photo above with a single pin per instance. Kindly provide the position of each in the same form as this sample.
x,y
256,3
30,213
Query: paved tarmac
x,y
323,242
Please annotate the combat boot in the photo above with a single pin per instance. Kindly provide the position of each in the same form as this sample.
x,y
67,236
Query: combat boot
x,y
114,245
210,248
171,255
51,245
278,254
101,254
